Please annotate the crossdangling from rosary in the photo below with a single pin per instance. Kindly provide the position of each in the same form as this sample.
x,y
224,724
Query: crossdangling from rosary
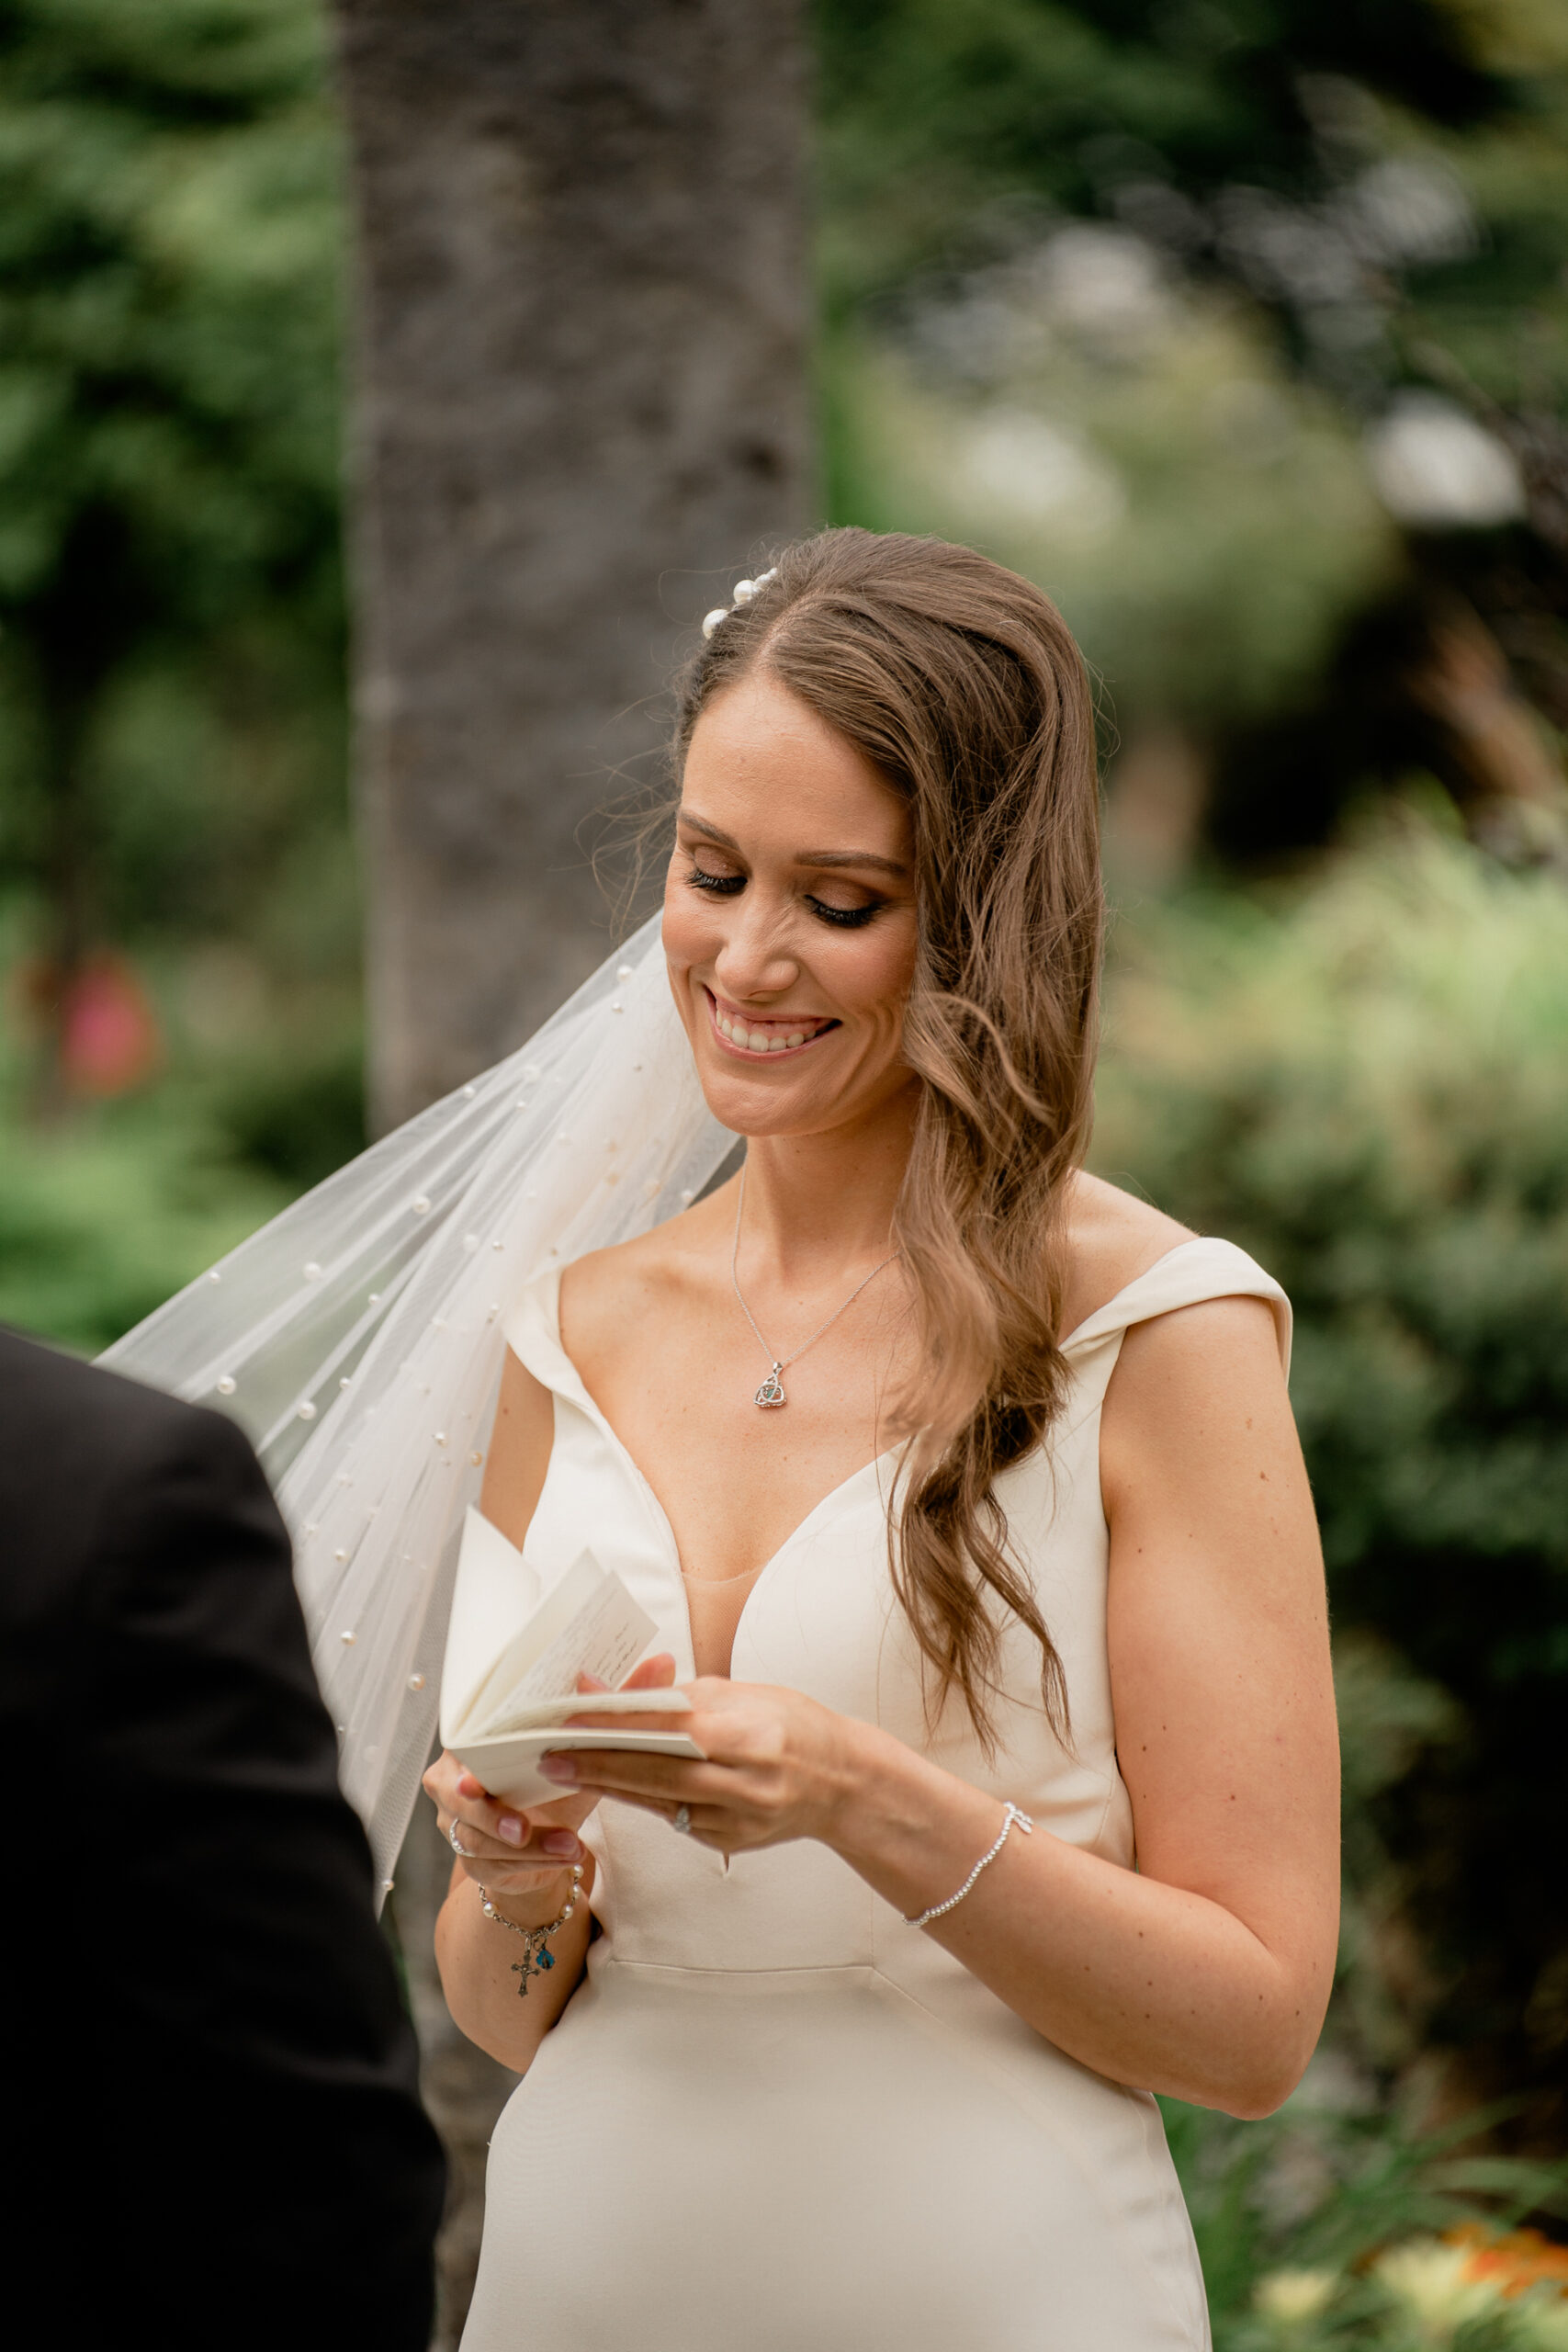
x,y
771,1391
537,1957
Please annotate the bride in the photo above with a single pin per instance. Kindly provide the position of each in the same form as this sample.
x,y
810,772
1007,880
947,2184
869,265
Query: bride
x,y
963,1490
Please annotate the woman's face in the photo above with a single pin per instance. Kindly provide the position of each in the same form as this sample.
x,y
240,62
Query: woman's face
x,y
789,918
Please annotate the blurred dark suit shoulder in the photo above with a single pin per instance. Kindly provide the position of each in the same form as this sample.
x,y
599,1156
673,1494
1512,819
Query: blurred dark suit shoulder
x,y
214,2040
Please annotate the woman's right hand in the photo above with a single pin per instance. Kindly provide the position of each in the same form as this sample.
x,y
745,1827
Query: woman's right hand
x,y
509,1850
519,1850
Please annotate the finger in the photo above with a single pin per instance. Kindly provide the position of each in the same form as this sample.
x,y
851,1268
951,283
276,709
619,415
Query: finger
x,y
620,1772
544,1828
706,1824
477,1825
472,1844
654,1674
443,1778
657,1719
548,1843
496,1817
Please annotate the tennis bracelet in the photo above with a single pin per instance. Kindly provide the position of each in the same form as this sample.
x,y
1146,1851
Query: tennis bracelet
x,y
925,1918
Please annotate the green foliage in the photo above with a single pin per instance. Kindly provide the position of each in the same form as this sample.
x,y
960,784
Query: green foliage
x,y
104,1219
932,110
1205,523
1349,223
167,184
1305,2224
297,1119
1363,1085
98,1227
171,611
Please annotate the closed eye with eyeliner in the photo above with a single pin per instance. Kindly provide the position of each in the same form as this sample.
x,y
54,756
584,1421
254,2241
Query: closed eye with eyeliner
x,y
730,886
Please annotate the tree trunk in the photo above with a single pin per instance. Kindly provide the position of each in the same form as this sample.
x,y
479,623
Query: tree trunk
x,y
582,412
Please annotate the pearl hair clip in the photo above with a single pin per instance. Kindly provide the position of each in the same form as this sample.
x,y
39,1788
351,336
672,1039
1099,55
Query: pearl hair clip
x,y
745,591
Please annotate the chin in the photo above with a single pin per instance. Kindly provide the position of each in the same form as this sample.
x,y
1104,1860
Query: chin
x,y
761,1106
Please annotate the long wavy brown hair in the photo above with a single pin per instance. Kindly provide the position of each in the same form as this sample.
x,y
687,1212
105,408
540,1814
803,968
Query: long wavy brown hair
x,y
961,685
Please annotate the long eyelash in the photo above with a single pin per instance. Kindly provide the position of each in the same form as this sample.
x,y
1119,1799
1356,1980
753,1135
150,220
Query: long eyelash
x,y
845,918
724,886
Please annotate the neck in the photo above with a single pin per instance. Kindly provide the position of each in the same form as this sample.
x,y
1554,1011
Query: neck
x,y
826,1201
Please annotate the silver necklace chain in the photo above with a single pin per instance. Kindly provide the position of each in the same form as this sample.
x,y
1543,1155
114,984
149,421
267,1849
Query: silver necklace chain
x,y
772,1393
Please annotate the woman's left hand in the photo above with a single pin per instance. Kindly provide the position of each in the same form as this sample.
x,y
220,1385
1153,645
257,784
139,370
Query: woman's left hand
x,y
779,1765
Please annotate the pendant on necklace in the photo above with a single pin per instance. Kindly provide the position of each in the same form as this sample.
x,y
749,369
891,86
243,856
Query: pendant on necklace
x,y
771,1389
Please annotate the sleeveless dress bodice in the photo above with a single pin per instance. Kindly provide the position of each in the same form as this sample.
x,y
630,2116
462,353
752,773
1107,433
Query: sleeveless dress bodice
x,y
773,2118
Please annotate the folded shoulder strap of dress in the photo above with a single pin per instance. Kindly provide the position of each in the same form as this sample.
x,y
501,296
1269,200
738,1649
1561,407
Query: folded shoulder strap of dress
x,y
532,1328
1185,1276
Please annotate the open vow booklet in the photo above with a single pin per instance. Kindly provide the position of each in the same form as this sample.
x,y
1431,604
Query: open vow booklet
x,y
514,1652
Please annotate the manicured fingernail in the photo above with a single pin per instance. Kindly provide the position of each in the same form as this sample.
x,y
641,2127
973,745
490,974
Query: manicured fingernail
x,y
558,1768
510,1829
561,1842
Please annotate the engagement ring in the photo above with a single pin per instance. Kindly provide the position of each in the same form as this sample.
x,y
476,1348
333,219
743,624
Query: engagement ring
x,y
683,1820
457,1845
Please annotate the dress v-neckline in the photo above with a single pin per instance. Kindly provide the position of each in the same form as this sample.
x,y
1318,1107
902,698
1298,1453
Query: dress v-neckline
x,y
577,1389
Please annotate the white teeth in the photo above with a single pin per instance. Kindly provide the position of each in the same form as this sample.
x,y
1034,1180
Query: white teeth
x,y
761,1041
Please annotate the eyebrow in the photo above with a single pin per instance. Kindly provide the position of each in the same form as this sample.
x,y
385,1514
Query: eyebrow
x,y
805,856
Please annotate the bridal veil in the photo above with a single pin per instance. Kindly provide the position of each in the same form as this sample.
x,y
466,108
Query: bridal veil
x,y
359,1335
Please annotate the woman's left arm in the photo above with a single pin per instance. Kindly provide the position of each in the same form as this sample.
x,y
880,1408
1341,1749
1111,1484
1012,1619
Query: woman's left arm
x,y
1204,1974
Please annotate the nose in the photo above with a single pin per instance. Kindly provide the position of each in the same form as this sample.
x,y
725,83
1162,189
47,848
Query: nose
x,y
755,959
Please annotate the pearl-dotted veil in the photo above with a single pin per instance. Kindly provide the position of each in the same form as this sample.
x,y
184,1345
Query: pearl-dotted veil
x,y
358,1336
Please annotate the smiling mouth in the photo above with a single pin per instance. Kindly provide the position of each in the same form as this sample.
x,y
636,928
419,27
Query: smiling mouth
x,y
763,1039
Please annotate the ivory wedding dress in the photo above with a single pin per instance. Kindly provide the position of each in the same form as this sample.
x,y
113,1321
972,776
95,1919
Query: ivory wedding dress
x,y
773,2118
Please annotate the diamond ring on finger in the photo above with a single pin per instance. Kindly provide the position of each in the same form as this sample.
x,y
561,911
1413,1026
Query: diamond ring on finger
x,y
457,1844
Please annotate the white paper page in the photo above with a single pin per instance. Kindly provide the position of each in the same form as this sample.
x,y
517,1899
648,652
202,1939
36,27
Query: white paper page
x,y
497,1593
523,1640
590,1624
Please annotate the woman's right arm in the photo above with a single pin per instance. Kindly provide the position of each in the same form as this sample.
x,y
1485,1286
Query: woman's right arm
x,y
523,1860
523,1857
528,1880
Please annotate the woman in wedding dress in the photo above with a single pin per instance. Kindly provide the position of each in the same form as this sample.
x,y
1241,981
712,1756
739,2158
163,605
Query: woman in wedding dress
x,y
963,1491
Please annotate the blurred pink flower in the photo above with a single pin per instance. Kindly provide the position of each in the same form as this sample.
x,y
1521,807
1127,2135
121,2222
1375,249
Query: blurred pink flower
x,y
109,1042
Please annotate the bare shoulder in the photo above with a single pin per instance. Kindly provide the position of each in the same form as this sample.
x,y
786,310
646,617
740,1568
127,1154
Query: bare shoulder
x,y
1112,1238
603,1292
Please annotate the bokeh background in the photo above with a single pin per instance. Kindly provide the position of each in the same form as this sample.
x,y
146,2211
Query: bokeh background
x,y
1240,325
